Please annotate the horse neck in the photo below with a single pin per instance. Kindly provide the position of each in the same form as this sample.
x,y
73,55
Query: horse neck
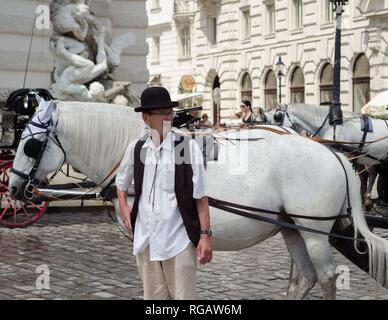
x,y
94,150
306,121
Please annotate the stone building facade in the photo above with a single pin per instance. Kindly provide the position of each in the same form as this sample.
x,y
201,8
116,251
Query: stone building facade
x,y
231,49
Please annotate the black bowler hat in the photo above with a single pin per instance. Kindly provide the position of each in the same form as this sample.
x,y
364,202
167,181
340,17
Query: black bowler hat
x,y
154,98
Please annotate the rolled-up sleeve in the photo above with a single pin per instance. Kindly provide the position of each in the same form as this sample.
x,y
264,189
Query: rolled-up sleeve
x,y
199,174
125,174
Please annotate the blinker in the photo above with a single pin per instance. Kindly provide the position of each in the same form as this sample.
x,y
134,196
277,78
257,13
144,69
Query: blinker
x,y
32,148
278,116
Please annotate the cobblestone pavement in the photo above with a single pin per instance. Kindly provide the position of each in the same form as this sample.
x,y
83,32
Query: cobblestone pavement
x,y
89,258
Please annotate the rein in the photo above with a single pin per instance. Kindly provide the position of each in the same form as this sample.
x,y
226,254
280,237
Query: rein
x,y
99,195
326,141
244,211
235,209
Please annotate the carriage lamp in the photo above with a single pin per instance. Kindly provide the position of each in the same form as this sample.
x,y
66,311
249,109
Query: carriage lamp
x,y
280,74
335,114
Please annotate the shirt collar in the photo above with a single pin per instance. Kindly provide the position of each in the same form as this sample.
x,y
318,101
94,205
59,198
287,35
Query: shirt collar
x,y
166,144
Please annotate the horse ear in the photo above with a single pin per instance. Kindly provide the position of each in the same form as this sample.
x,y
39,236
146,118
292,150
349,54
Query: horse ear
x,y
32,148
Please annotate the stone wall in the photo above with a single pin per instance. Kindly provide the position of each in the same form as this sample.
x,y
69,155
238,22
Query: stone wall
x,y
16,21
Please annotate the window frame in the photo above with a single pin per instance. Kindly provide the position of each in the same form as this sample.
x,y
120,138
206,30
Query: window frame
x,y
270,17
212,30
156,49
297,89
246,91
328,14
270,91
359,80
325,87
246,23
184,42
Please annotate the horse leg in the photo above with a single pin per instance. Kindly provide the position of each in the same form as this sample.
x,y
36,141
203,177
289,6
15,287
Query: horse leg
x,y
319,252
304,276
363,174
292,280
368,194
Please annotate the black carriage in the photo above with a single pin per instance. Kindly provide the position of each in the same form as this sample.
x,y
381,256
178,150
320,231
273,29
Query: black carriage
x,y
18,110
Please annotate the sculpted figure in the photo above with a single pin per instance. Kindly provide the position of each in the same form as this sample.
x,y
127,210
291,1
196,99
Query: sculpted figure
x,y
83,59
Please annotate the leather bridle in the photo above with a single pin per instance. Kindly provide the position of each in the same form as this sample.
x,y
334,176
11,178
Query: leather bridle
x,y
284,114
49,134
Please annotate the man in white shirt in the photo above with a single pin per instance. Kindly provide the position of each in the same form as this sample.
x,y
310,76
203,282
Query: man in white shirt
x,y
170,213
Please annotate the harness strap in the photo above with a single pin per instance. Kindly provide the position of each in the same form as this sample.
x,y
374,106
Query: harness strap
x,y
39,125
279,223
349,209
320,128
27,177
365,132
40,155
216,203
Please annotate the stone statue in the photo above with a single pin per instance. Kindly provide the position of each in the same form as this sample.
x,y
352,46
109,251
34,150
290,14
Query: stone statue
x,y
84,60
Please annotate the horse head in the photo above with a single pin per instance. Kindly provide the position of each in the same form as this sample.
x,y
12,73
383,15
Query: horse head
x,y
280,117
38,154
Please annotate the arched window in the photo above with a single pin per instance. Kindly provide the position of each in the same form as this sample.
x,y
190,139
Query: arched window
x,y
270,90
326,84
216,100
246,87
361,83
297,86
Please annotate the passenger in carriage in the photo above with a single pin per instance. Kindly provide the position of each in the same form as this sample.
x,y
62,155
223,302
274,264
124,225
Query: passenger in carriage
x,y
260,118
204,122
248,116
170,213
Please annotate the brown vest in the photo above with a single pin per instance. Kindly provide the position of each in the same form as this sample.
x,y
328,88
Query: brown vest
x,y
183,185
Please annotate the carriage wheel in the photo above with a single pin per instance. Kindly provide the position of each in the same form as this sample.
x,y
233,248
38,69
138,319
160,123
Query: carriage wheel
x,y
15,213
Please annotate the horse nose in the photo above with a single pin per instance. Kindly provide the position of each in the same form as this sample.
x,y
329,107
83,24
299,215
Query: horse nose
x,y
15,193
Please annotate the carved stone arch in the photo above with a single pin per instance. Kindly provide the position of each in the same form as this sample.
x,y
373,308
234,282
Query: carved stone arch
x,y
210,76
324,89
212,85
296,84
269,94
322,64
366,6
264,74
360,81
289,71
243,85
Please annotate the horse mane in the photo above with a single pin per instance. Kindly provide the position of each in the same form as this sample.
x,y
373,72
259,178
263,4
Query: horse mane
x,y
97,135
313,112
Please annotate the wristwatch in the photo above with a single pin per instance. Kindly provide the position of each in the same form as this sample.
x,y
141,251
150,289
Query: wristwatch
x,y
207,231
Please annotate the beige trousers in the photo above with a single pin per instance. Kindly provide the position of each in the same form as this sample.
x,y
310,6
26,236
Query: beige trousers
x,y
169,279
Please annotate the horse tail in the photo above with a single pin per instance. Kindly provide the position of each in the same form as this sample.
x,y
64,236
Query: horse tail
x,y
377,246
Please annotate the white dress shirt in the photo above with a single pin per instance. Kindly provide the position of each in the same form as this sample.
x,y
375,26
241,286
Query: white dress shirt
x,y
159,223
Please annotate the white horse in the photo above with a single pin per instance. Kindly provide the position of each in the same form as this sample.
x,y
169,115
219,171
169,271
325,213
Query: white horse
x,y
312,119
280,173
